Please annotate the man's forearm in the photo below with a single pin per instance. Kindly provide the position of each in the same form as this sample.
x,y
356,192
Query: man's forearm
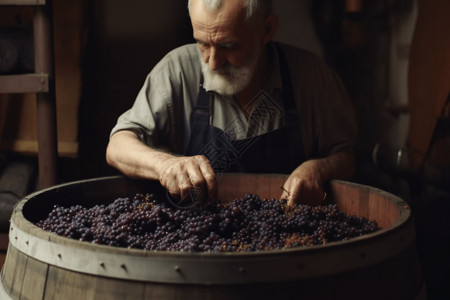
x,y
305,183
178,174
129,155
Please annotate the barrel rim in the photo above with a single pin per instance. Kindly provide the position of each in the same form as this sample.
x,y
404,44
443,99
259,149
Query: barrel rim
x,y
174,261
404,216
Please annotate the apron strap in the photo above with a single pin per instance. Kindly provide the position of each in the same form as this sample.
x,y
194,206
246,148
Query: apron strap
x,y
201,111
288,92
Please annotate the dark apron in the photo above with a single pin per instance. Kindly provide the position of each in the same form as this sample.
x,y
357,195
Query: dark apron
x,y
278,151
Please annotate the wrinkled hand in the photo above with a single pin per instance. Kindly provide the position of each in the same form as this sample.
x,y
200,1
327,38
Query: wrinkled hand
x,y
304,185
179,175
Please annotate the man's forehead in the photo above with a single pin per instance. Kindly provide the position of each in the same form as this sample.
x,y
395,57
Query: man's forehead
x,y
215,27
222,3
231,10
224,24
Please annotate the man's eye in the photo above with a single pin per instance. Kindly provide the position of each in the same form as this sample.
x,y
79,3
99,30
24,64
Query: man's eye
x,y
228,46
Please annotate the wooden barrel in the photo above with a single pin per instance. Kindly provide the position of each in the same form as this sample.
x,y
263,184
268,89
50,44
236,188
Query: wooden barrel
x,y
380,265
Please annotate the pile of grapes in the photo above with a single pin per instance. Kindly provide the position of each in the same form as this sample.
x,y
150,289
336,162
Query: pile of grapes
x,y
245,224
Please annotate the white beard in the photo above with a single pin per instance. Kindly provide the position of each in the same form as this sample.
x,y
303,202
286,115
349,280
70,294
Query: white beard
x,y
229,80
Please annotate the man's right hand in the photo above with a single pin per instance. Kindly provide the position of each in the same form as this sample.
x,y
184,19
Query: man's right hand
x,y
179,175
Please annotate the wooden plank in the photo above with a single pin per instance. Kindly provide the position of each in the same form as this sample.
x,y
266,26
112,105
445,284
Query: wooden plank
x,y
429,74
121,289
9,268
22,2
34,280
25,83
66,149
19,273
65,284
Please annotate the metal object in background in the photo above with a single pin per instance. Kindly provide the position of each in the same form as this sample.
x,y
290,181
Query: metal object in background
x,y
388,157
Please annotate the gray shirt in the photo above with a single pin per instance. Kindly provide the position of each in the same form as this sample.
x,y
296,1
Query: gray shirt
x,y
161,113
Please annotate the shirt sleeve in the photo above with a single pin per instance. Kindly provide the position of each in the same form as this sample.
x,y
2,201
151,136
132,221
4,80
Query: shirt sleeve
x,y
141,117
160,113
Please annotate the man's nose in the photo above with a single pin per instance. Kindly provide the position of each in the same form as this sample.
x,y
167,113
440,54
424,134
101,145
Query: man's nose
x,y
216,59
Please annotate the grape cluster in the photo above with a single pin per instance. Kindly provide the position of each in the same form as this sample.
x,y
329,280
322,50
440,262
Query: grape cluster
x,y
245,224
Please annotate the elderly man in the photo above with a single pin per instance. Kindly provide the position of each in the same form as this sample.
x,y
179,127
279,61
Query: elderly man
x,y
237,102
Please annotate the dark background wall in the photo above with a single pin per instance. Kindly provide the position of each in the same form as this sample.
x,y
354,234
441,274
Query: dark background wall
x,y
127,38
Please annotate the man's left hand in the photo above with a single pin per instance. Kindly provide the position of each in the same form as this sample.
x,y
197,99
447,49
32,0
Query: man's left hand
x,y
304,185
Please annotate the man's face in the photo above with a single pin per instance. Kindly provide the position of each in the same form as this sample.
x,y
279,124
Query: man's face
x,y
230,46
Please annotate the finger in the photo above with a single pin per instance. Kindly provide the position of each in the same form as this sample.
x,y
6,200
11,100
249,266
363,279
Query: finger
x,y
213,188
294,198
285,195
169,180
184,186
210,178
290,192
172,187
198,189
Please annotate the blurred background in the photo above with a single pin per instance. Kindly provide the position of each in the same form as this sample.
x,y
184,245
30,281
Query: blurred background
x,y
392,55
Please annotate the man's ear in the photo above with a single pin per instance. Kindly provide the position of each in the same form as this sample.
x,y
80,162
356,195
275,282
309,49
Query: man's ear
x,y
270,27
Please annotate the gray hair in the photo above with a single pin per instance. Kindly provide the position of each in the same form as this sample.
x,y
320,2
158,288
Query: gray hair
x,y
260,8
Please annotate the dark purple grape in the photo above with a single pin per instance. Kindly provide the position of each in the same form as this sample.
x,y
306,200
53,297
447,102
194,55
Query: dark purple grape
x,y
146,221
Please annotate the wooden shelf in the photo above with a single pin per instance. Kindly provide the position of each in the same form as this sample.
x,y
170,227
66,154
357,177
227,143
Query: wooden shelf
x,y
66,149
24,83
41,83
22,2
